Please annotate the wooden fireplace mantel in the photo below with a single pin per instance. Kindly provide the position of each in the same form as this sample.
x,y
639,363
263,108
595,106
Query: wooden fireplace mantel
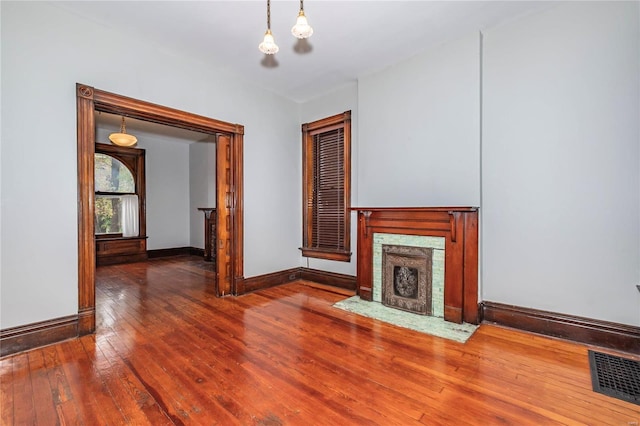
x,y
459,226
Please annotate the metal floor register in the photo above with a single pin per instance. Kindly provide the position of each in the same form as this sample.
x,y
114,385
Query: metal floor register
x,y
615,376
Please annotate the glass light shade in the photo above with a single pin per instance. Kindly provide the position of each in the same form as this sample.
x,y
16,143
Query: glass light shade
x,y
302,29
123,139
268,45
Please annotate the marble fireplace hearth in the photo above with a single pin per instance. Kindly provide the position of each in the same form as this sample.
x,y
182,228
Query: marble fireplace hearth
x,y
432,325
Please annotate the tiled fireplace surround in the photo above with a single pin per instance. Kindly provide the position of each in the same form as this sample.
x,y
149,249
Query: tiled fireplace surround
x,y
437,265
451,231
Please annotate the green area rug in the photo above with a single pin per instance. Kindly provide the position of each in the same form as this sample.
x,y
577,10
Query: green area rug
x,y
424,324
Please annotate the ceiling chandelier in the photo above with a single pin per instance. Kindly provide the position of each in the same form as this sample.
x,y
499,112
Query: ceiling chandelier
x,y
268,45
122,138
302,29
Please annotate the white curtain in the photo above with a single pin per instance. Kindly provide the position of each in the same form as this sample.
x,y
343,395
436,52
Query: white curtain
x,y
130,216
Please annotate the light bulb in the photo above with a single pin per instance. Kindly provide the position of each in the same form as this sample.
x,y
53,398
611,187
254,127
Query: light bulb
x,y
302,29
268,44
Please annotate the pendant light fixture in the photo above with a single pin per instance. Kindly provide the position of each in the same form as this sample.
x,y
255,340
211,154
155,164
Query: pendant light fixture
x,y
302,29
122,138
268,45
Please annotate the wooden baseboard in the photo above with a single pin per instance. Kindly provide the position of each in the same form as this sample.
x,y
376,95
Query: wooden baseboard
x,y
86,321
122,258
589,331
260,282
25,337
333,279
170,252
193,251
347,282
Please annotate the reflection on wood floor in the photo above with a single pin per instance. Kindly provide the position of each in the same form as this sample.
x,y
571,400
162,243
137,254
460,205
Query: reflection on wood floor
x,y
168,352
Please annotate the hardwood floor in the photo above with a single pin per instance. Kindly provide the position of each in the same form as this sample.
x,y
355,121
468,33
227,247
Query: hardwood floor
x,y
167,352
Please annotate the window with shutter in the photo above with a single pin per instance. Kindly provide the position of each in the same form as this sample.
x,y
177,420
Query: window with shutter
x,y
327,187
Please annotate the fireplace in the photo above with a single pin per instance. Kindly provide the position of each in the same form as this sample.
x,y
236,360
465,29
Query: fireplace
x,y
406,278
412,251
450,234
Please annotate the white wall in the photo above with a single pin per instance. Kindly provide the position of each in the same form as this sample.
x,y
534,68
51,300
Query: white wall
x,y
272,196
420,130
557,170
559,154
560,151
561,161
45,51
168,207
336,102
202,187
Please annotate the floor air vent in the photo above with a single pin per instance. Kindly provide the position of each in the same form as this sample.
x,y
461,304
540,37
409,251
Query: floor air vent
x,y
615,376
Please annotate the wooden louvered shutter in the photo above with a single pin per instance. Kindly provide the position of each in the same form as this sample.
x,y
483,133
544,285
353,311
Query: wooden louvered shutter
x,y
328,190
327,172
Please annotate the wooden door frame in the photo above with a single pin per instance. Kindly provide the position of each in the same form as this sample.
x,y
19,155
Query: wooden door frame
x,y
89,100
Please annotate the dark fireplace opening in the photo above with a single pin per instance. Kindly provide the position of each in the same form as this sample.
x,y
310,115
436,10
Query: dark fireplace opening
x,y
405,281
407,278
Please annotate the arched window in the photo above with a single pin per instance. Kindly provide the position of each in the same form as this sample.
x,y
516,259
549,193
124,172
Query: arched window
x,y
120,216
113,183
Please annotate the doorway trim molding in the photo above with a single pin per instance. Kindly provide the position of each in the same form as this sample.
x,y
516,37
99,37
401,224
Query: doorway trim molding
x,y
89,100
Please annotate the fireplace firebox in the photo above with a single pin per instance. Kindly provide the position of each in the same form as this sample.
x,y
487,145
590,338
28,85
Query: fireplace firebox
x,y
406,278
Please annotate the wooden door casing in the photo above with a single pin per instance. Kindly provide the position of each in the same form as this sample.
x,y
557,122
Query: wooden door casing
x,y
224,207
88,101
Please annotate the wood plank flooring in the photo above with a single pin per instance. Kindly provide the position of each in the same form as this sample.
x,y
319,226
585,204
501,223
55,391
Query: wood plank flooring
x,y
167,352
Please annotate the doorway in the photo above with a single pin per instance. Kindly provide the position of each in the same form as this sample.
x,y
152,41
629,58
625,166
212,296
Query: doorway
x,y
229,187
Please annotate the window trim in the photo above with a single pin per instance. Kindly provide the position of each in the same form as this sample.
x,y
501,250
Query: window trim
x,y
309,130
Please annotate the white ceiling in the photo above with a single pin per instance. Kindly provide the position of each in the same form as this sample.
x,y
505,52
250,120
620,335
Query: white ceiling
x,y
351,38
